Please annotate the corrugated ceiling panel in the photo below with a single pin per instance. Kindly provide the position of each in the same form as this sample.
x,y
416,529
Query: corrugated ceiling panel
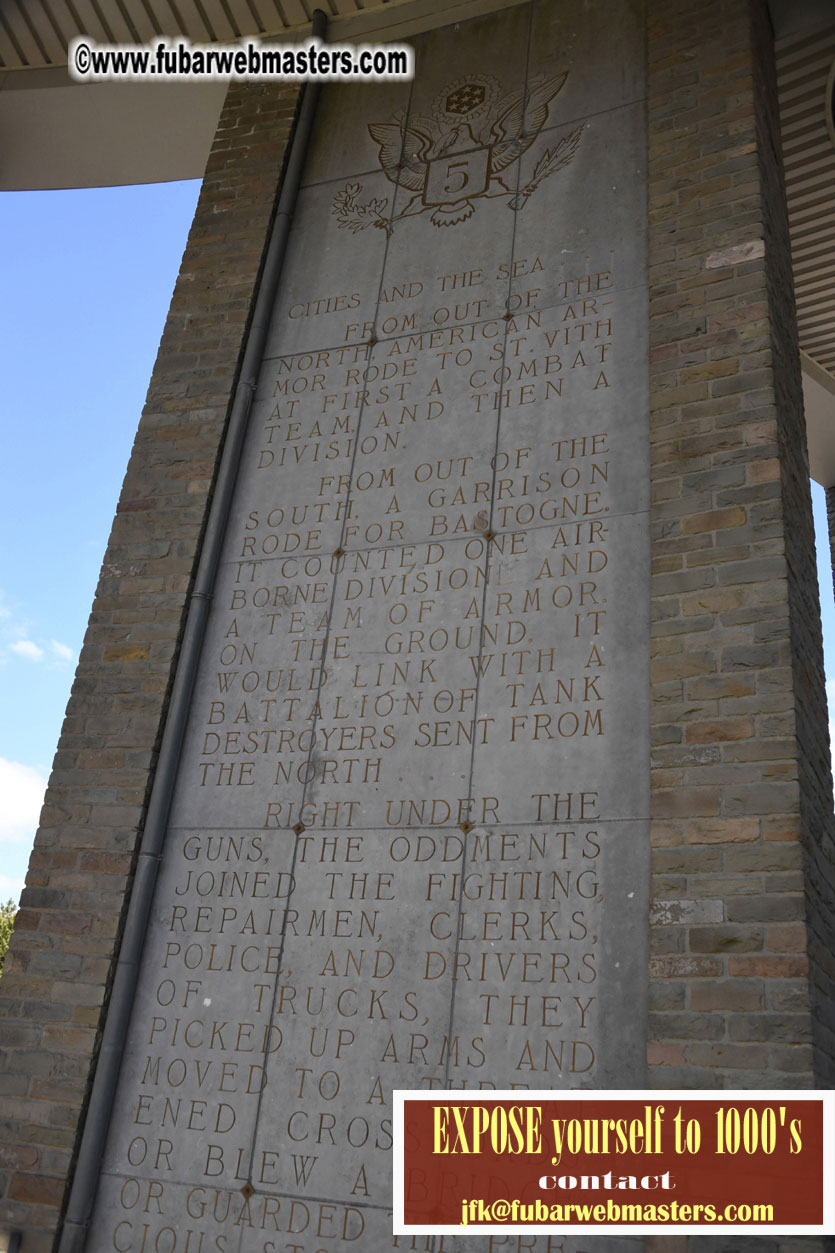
x,y
243,15
271,19
193,21
90,24
49,31
35,32
145,28
222,28
63,18
11,57
19,27
809,157
295,14
164,16
116,21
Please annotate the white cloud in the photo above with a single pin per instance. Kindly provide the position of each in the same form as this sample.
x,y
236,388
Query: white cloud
x,y
22,790
10,888
27,648
18,633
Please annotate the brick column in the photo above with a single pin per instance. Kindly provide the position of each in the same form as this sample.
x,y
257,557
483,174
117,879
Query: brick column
x,y
742,808
742,929
55,983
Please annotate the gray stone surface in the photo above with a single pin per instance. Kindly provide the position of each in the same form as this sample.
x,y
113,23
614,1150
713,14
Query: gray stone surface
x,y
331,278
598,197
136,1210
603,54
341,145
408,846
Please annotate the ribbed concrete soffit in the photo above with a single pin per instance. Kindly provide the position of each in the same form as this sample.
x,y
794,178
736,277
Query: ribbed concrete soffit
x,y
804,67
34,34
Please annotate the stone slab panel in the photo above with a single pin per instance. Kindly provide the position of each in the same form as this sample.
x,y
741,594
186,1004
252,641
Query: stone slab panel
x,y
456,252
330,286
546,924
592,245
256,690
298,456
415,774
573,375
201,1027
563,679
342,145
601,48
356,1017
137,1209
410,680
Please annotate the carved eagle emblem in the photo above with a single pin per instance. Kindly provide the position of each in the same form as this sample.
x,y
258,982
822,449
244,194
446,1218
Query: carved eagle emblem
x,y
460,153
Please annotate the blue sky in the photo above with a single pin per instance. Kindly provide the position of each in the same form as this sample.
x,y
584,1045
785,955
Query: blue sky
x,y
87,278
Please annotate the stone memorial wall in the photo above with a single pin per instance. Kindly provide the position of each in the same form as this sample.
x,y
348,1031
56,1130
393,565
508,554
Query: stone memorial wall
x,y
408,847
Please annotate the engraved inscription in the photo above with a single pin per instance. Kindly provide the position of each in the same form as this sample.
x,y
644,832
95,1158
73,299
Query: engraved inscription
x,y
408,843
474,134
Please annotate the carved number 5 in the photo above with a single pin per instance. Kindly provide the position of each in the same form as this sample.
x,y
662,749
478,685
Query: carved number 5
x,y
454,171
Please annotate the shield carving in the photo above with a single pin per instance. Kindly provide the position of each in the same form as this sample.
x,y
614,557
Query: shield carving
x,y
447,159
456,176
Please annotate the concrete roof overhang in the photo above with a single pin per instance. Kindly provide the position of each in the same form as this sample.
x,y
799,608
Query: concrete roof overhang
x,y
55,132
58,133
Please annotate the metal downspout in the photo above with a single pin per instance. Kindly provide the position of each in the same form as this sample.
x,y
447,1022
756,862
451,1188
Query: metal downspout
x,y
91,1150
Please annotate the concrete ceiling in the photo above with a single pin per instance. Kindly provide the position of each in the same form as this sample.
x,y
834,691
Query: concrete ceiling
x,y
34,33
56,133
804,66
804,63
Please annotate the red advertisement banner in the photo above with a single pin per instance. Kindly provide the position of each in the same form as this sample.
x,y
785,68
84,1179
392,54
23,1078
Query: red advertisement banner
x,y
638,1162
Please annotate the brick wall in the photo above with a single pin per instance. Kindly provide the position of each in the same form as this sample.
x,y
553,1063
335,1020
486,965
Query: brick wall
x,y
817,827
55,981
741,791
